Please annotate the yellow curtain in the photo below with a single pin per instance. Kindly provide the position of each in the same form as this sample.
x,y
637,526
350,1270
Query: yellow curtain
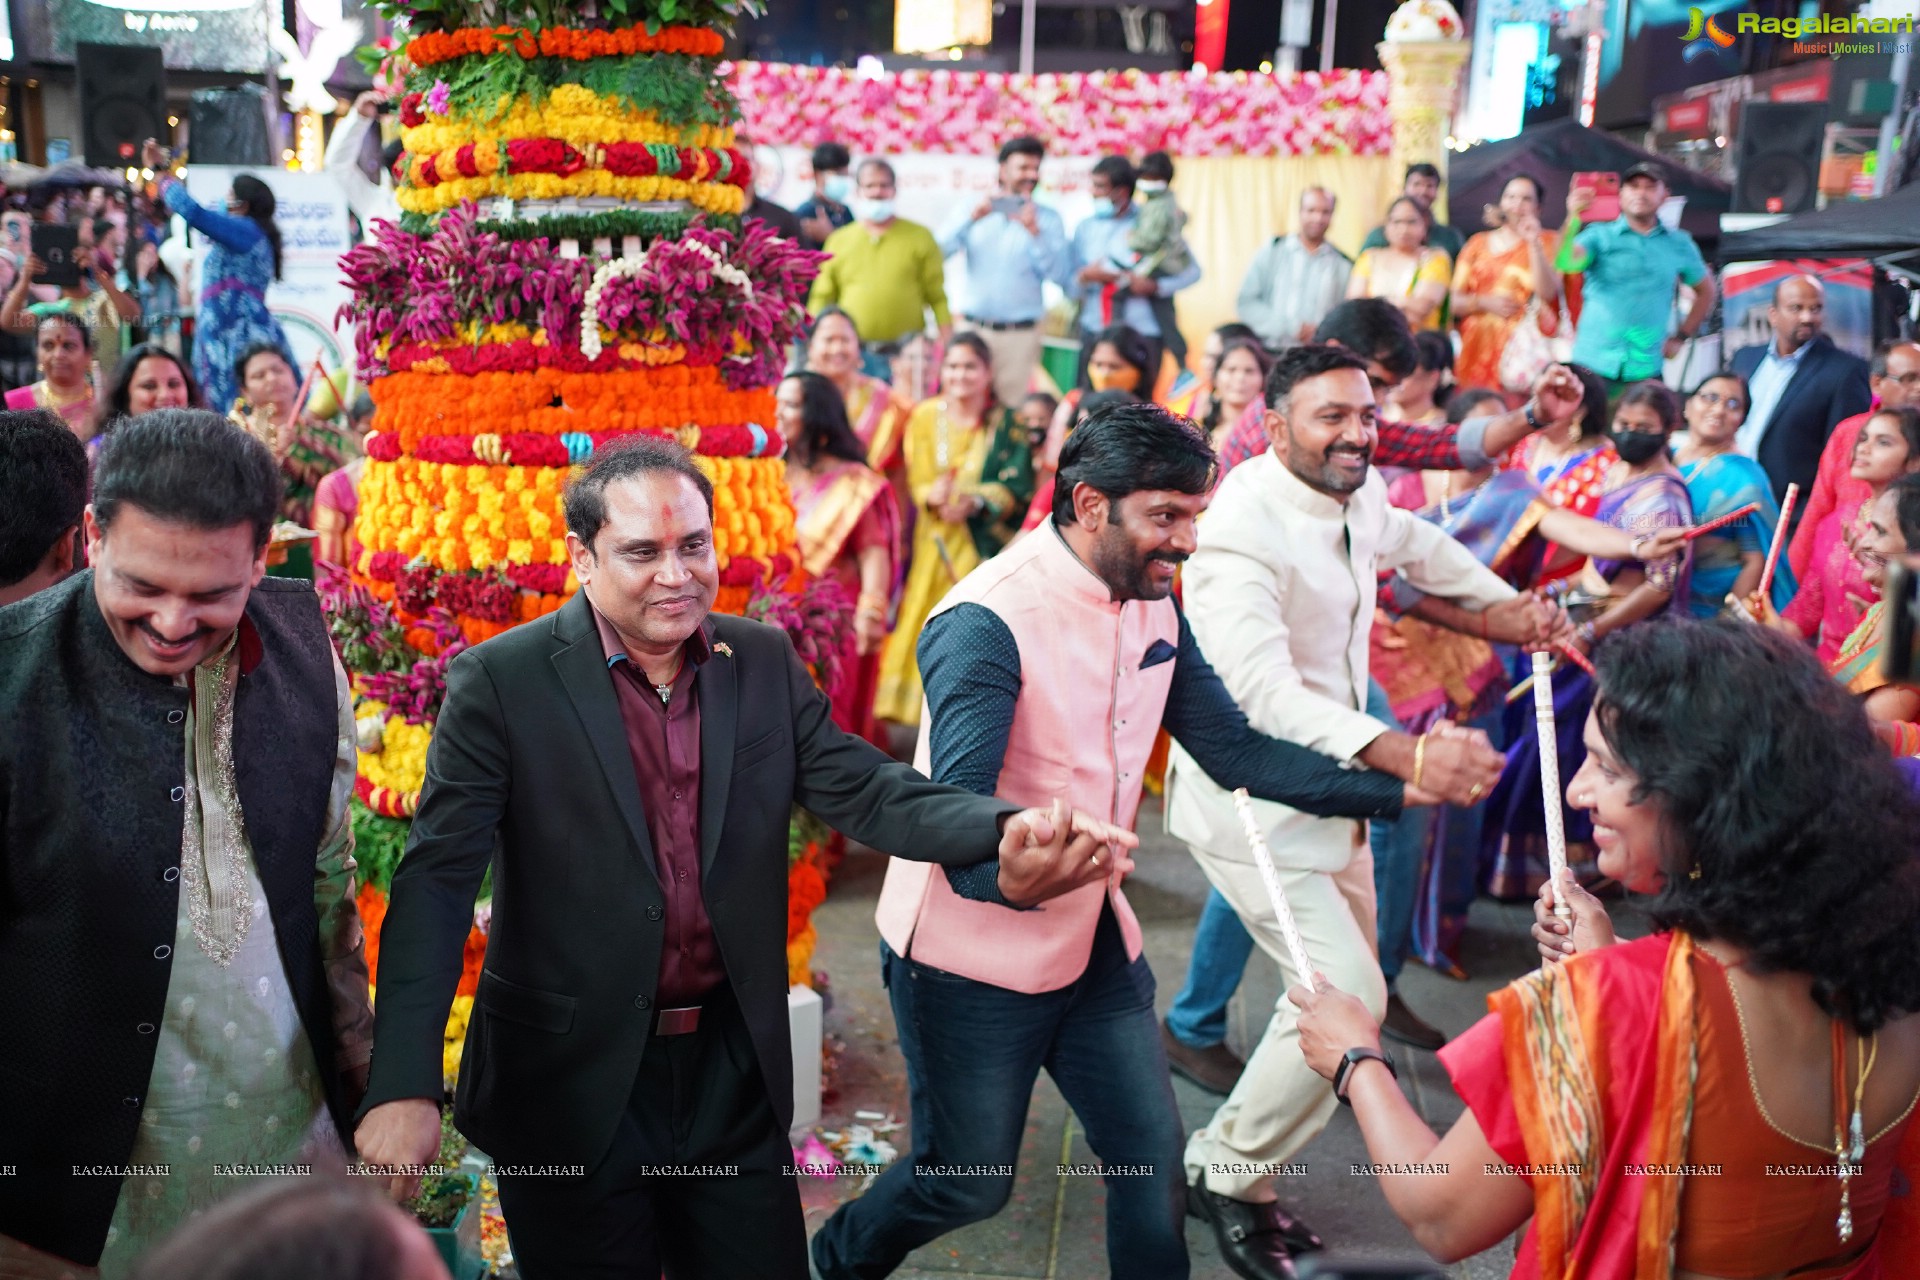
x,y
1235,204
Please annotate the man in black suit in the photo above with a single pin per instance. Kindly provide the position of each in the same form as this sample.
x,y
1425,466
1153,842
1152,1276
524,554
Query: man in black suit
x,y
1798,386
628,766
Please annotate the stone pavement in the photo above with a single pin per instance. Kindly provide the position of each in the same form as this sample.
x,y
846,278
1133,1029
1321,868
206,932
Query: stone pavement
x,y
1054,1227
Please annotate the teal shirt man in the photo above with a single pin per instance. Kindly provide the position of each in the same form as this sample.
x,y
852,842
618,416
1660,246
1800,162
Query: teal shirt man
x,y
1631,265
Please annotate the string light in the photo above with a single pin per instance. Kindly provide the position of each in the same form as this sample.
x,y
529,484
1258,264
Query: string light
x,y
309,141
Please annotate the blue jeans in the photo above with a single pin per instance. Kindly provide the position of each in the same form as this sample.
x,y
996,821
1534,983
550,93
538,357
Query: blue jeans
x,y
1221,945
1398,848
973,1052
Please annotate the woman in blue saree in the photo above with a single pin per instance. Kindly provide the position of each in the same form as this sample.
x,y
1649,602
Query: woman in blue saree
x,y
1643,494
1727,563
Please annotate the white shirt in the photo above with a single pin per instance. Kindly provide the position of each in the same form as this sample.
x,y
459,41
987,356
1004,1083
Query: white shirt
x,y
1280,594
1770,379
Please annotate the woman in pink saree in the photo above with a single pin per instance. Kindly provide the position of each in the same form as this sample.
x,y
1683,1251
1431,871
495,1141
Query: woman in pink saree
x,y
848,528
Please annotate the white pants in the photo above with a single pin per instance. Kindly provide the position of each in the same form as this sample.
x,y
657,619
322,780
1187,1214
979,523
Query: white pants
x,y
1280,1104
1015,354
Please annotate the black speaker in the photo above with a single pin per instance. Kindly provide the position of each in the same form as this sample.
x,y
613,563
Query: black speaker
x,y
1777,164
230,126
123,101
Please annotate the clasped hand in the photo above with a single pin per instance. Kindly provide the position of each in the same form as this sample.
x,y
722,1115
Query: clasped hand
x,y
1047,852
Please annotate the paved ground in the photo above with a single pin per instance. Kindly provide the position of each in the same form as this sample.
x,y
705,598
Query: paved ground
x,y
1054,1227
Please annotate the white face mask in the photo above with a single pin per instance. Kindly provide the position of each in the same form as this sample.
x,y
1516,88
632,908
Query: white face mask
x,y
872,210
1150,188
839,187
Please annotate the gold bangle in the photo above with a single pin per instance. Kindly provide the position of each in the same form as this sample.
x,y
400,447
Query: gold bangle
x,y
871,603
1419,759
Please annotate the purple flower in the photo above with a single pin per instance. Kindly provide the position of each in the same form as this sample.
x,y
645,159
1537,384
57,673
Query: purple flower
x,y
439,98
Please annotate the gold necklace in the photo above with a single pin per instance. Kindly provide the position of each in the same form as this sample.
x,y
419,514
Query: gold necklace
x,y
50,399
1851,1148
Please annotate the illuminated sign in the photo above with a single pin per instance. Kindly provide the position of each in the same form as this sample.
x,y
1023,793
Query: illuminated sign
x,y
922,26
193,35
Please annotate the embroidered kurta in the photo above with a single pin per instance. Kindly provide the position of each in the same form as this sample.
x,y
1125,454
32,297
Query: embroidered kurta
x,y
235,1094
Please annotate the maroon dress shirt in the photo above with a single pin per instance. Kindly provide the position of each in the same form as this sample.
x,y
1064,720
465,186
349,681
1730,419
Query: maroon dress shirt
x,y
664,740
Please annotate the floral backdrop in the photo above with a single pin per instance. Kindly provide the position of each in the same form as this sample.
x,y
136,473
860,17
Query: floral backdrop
x,y
1094,113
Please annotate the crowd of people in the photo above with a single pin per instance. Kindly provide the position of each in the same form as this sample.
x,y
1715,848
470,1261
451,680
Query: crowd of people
x,y
1313,568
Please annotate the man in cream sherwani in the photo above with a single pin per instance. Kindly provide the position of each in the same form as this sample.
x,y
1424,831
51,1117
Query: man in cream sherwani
x,y
1281,595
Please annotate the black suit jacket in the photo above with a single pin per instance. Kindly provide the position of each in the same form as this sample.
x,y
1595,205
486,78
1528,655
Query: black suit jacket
x,y
529,768
1830,384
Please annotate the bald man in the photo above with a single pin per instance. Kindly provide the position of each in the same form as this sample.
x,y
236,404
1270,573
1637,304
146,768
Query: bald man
x,y
1800,386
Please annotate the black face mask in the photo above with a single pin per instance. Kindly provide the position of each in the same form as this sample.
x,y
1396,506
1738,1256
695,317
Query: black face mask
x,y
1636,447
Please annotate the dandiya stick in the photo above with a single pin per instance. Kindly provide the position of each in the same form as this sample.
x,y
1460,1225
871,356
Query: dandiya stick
x,y
1779,539
1577,658
1721,522
1263,858
1550,778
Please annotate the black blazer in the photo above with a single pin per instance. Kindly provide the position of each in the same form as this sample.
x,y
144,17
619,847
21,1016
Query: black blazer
x,y
529,769
1830,384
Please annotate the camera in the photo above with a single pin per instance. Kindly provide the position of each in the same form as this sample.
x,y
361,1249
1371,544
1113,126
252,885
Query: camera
x,y
1902,656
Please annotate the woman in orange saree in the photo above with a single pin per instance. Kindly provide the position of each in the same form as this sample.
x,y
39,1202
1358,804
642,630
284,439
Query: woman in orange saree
x,y
848,529
1731,1098
1504,279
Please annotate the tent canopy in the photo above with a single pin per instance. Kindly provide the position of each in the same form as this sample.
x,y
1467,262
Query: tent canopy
x,y
1878,229
1553,153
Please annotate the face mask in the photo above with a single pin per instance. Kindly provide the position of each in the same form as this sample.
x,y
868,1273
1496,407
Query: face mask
x,y
1124,380
1103,207
839,188
1151,188
872,210
1636,447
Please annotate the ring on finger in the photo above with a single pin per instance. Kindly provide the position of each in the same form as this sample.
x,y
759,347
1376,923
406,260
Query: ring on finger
x,y
1475,793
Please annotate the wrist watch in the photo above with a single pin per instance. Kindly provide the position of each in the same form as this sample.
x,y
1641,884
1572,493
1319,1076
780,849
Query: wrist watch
x,y
1353,1058
1533,419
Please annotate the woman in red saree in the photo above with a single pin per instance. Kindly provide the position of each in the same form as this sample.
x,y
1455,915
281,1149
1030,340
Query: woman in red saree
x,y
848,528
1570,464
1731,1098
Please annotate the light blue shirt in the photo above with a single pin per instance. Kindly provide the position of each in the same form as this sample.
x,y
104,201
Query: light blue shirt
x,y
1104,241
1627,300
1007,264
1768,384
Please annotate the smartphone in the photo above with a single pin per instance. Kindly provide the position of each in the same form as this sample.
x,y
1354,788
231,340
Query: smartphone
x,y
1606,195
57,245
1008,205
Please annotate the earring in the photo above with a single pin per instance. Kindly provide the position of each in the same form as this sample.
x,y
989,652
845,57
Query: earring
x,y
1695,873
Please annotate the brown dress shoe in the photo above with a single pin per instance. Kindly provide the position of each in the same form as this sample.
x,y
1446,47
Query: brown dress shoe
x,y
1405,1026
1214,1068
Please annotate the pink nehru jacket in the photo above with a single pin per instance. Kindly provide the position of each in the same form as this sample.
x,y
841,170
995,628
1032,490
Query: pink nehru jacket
x,y
1083,728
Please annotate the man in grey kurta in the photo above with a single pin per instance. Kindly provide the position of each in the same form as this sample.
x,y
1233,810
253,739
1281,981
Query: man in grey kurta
x,y
185,963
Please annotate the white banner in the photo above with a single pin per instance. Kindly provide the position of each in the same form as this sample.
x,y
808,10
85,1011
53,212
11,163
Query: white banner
x,y
312,216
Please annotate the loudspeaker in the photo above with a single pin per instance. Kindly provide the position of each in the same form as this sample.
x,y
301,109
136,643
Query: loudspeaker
x,y
230,126
1777,163
123,101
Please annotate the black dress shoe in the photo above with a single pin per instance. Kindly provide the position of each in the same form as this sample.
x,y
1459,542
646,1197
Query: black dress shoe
x,y
1214,1068
1257,1241
1403,1025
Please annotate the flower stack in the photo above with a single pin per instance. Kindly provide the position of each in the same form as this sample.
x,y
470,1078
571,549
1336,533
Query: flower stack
x,y
570,270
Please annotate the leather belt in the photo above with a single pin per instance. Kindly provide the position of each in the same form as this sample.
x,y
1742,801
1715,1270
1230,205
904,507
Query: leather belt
x,y
1000,326
677,1022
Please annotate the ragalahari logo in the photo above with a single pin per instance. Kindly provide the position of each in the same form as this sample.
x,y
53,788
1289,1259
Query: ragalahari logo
x,y
1703,37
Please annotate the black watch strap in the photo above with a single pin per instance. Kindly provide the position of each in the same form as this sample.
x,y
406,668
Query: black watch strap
x,y
1533,419
1354,1057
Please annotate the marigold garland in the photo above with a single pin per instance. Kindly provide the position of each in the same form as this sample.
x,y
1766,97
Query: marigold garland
x,y
712,196
505,354
560,42
532,449
572,113
516,157
417,405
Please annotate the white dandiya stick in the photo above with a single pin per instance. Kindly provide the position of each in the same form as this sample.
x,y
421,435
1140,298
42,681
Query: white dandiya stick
x,y
1263,858
1550,778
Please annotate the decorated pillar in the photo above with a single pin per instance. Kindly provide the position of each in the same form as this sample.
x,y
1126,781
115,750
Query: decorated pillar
x,y
1425,53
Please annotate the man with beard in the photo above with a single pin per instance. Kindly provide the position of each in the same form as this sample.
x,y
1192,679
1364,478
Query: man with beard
x,y
1798,386
984,993
1013,247
1281,590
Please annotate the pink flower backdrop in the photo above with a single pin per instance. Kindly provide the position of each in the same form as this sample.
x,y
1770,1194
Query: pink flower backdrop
x,y
1096,113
